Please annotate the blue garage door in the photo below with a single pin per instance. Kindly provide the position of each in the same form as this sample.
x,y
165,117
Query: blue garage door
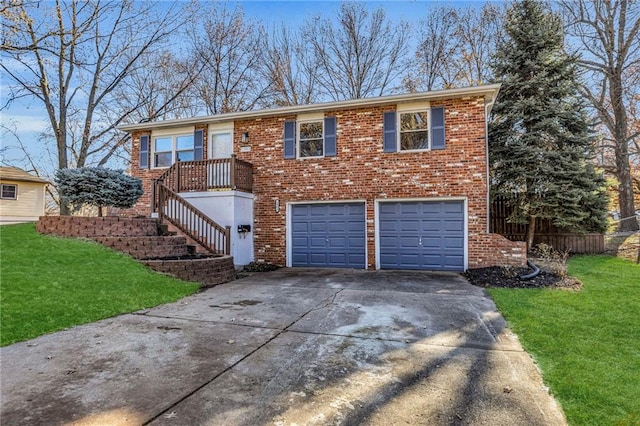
x,y
422,235
328,235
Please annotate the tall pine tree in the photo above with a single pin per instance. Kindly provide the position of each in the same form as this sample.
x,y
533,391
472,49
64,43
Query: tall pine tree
x,y
540,142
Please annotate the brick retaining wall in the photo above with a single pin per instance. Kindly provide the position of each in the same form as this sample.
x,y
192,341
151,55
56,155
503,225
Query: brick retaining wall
x,y
142,239
147,247
88,227
208,272
494,249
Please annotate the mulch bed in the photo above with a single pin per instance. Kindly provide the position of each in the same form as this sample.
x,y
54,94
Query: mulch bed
x,y
497,276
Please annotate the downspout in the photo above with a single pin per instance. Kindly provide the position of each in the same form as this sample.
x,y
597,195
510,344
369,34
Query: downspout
x,y
487,110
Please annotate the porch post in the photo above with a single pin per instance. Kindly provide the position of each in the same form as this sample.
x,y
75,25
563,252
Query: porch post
x,y
232,171
154,193
227,246
177,165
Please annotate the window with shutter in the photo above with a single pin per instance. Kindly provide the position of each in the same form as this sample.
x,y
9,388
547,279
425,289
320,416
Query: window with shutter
x,y
310,138
143,161
418,130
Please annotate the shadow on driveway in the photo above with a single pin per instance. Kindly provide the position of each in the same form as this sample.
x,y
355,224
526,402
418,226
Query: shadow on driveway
x,y
293,346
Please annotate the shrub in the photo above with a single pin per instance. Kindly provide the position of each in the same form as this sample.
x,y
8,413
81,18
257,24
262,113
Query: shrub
x,y
98,186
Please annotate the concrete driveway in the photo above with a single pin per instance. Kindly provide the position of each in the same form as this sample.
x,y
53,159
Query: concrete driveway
x,y
294,346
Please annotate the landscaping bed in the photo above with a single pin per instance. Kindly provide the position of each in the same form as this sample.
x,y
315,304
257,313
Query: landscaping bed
x,y
509,277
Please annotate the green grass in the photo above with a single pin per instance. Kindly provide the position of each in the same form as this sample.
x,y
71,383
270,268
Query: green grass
x,y
586,343
50,283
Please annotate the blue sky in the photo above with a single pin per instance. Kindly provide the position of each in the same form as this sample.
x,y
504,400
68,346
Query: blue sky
x,y
29,117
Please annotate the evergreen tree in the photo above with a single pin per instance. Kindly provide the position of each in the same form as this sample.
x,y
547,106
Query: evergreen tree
x,y
98,186
540,142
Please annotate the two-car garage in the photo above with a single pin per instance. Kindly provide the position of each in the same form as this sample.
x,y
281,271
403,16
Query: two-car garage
x,y
420,235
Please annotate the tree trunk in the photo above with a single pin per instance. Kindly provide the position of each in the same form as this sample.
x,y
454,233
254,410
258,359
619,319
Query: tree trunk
x,y
620,133
531,232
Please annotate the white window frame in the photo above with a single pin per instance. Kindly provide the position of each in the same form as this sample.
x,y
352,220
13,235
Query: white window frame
x,y
299,123
174,147
15,191
425,108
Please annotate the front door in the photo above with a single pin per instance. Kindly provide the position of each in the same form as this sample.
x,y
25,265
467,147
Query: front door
x,y
220,148
221,145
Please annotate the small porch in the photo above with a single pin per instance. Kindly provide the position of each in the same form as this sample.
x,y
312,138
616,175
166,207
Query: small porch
x,y
219,174
208,201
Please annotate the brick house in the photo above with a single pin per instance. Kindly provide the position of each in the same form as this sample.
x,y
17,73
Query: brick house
x,y
394,182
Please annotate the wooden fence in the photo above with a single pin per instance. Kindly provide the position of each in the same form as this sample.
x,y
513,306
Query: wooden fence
x,y
546,232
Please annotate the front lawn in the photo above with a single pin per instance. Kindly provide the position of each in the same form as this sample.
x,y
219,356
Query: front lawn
x,y
586,343
49,283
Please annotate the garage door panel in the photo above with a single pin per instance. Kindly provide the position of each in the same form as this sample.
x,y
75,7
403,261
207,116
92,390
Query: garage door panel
x,y
317,226
330,235
411,225
456,207
388,226
356,242
300,241
387,208
316,242
422,235
337,242
431,225
453,225
299,227
408,242
432,243
453,243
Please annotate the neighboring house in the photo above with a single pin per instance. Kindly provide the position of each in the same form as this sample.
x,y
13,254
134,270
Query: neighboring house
x,y
394,182
21,196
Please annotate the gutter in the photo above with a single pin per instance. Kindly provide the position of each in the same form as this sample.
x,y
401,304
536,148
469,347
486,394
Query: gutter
x,y
488,91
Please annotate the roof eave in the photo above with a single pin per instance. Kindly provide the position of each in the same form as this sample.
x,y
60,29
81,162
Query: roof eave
x,y
490,92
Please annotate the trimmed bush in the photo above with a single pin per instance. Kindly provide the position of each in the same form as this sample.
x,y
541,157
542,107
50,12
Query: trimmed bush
x,y
98,186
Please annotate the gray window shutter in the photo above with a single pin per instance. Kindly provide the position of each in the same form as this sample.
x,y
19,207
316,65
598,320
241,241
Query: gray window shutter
x,y
437,128
290,139
144,152
389,122
198,144
330,148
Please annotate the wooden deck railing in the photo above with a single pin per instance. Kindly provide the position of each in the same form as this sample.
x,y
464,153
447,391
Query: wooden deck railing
x,y
205,175
191,221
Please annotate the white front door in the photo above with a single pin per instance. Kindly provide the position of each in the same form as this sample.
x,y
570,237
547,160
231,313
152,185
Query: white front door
x,y
221,147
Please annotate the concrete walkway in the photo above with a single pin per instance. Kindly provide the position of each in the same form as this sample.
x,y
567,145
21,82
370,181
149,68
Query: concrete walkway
x,y
294,346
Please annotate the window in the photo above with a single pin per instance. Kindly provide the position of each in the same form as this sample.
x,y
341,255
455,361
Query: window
x,y
414,130
184,148
9,192
168,149
310,139
417,130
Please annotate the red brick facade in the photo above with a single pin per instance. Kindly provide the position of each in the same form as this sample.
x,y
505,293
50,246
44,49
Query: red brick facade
x,y
362,171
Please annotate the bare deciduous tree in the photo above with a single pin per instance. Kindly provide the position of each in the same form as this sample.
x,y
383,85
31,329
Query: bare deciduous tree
x,y
360,56
227,48
455,47
609,34
478,33
289,68
432,67
71,56
159,89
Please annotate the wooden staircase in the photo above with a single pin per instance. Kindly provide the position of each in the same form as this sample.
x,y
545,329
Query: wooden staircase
x,y
201,175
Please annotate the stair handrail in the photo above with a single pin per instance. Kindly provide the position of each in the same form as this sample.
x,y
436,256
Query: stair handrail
x,y
196,225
